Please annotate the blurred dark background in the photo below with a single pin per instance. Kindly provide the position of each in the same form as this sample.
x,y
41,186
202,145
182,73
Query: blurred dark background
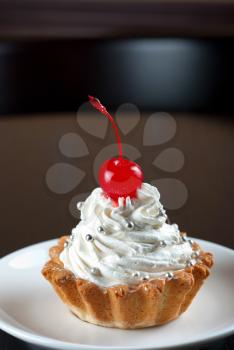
x,y
168,56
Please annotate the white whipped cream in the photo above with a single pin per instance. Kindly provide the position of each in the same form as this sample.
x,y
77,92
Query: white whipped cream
x,y
125,244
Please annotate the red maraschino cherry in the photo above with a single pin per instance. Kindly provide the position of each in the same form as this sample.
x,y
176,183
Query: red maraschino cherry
x,y
118,177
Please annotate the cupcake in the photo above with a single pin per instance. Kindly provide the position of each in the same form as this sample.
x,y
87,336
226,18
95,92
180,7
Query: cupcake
x,y
124,265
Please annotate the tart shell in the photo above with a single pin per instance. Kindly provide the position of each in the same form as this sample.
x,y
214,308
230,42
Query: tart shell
x,y
149,303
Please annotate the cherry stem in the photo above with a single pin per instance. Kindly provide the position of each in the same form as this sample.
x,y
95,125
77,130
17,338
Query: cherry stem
x,y
97,104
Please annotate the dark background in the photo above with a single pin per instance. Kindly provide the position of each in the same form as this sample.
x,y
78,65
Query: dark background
x,y
171,57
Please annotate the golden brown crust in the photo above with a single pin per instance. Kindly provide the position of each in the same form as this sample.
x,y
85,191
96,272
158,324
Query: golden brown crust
x,y
150,303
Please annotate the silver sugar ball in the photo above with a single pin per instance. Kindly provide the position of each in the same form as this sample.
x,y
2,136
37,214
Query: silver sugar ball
x,y
183,238
65,244
189,263
89,237
169,275
95,271
79,205
145,278
130,225
195,254
191,241
100,229
136,274
162,244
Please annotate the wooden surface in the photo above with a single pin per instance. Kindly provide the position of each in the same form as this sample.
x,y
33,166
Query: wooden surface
x,y
31,213
108,19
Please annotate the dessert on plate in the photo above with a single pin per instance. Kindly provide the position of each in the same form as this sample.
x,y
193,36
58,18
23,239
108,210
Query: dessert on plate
x,y
124,265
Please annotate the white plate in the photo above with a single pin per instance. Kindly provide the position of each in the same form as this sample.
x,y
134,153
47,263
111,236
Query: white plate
x,y
30,309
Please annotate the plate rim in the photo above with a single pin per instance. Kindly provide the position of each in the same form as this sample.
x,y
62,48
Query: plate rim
x,y
52,343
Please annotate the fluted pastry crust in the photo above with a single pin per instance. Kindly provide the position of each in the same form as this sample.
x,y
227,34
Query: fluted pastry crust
x,y
147,304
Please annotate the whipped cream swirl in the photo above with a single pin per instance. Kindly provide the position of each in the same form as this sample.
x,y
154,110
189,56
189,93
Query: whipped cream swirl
x,y
125,244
